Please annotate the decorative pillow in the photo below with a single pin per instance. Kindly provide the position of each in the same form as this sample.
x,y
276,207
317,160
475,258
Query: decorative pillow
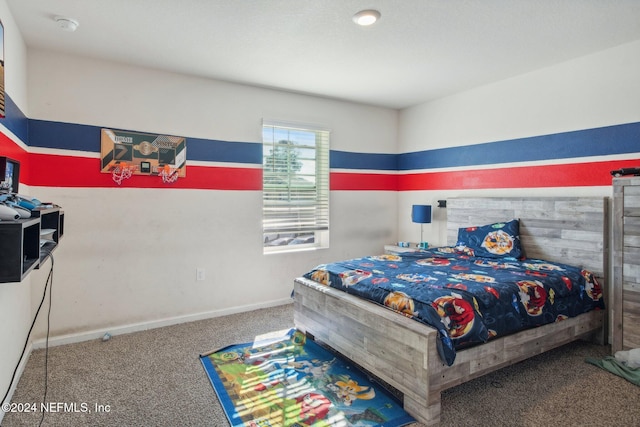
x,y
499,240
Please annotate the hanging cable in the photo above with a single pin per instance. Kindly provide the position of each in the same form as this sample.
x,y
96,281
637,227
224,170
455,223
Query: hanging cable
x,y
26,343
46,346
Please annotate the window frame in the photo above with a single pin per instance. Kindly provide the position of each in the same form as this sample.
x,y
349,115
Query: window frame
x,y
313,197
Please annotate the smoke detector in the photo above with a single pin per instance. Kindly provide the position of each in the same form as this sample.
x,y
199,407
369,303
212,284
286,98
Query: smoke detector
x,y
67,24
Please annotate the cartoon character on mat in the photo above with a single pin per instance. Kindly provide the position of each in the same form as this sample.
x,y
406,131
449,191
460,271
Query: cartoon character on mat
x,y
262,356
313,407
316,368
533,296
401,302
592,287
349,391
275,376
498,242
457,314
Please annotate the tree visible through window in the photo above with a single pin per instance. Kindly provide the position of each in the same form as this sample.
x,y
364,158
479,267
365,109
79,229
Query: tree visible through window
x,y
295,183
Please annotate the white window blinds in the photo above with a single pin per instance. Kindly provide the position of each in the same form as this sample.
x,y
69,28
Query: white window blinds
x,y
295,184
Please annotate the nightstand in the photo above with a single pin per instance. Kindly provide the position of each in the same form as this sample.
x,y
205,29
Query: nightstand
x,y
397,250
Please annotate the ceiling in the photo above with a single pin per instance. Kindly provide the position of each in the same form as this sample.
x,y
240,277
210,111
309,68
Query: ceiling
x,y
418,51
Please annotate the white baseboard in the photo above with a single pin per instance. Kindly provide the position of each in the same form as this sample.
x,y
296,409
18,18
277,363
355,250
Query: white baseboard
x,y
143,326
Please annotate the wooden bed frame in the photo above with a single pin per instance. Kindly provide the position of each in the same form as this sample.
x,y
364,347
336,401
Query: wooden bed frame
x,y
402,352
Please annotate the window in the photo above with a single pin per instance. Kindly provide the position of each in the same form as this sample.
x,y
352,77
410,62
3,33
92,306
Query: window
x,y
295,187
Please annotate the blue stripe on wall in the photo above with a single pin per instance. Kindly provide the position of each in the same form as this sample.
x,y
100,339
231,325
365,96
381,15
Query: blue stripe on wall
x,y
66,136
610,140
618,139
78,137
349,160
224,151
15,120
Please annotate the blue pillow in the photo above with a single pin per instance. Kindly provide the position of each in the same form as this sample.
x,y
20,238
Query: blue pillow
x,y
499,240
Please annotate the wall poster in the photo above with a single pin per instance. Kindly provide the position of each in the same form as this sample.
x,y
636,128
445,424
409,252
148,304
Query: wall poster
x,y
142,153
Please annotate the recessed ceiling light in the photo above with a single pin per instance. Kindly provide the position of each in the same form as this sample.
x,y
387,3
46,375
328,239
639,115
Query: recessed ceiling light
x,y
67,24
366,17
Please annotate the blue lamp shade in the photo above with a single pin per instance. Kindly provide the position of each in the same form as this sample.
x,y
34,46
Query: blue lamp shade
x,y
421,214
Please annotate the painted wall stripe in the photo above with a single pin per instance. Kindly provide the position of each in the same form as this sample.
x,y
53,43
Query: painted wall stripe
x,y
350,160
611,158
15,120
64,171
362,181
67,136
62,155
72,171
9,148
224,151
567,175
617,139
610,140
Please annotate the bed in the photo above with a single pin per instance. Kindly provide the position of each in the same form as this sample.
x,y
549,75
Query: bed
x,y
408,355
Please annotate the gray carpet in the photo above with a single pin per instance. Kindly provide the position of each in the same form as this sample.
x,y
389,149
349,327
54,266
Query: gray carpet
x,y
154,378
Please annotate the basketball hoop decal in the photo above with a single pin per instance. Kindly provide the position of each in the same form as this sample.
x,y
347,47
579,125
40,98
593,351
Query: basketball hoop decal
x,y
168,174
121,172
125,153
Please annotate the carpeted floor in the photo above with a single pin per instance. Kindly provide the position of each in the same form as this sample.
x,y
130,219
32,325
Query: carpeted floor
x,y
154,378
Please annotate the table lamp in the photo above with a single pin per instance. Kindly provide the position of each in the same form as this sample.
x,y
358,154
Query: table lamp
x,y
421,214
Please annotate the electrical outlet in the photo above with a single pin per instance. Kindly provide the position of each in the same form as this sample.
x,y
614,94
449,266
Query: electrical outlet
x,y
199,273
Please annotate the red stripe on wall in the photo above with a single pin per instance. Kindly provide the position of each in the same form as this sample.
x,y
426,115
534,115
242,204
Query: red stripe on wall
x,y
67,171
10,149
363,181
565,175
49,170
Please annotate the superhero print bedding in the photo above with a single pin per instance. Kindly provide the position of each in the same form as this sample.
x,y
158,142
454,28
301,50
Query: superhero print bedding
x,y
469,299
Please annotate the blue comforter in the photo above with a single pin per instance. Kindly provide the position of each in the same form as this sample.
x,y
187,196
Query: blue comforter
x,y
469,300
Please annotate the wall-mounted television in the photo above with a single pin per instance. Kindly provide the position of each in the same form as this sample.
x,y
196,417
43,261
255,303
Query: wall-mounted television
x,y
9,174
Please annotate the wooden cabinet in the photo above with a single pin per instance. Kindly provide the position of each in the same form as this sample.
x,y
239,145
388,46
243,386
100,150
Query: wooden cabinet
x,y
626,263
26,243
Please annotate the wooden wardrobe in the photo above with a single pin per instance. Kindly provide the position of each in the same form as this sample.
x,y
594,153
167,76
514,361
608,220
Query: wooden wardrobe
x,y
626,263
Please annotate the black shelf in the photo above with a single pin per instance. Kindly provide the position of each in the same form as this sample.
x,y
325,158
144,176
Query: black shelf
x,y
50,218
20,250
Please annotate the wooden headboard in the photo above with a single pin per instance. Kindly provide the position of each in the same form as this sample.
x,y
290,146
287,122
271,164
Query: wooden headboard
x,y
570,230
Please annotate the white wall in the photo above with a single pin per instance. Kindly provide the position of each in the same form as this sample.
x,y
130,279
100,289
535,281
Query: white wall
x,y
129,256
597,90
80,90
15,308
